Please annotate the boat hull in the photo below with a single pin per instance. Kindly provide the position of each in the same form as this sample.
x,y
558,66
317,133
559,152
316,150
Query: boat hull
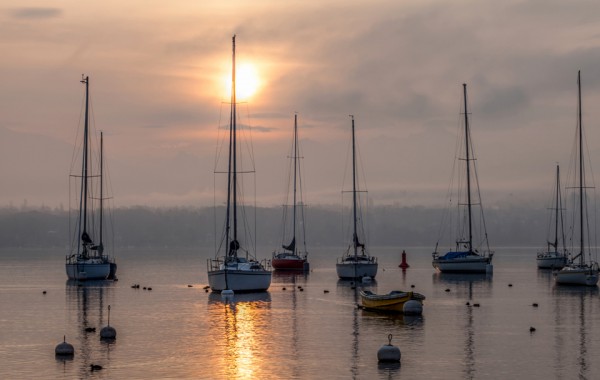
x,y
577,276
289,262
469,264
551,260
356,270
87,271
391,302
239,280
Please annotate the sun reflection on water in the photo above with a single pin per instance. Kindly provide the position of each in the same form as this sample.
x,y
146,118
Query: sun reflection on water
x,y
242,329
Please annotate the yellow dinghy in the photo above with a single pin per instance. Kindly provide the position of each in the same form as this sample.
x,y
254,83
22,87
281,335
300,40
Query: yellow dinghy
x,y
393,301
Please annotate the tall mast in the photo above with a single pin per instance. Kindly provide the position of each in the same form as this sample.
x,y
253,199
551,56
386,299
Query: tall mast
x,y
580,168
84,176
295,174
355,236
468,169
557,207
231,173
101,245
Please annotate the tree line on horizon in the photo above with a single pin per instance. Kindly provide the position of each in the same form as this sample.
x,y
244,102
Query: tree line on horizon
x,y
146,227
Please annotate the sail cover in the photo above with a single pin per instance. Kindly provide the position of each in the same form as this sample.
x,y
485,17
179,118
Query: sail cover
x,y
291,247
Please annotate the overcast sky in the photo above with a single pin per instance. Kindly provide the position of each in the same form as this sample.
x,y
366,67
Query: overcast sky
x,y
156,70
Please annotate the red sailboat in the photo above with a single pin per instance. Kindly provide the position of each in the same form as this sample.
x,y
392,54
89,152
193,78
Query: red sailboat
x,y
292,257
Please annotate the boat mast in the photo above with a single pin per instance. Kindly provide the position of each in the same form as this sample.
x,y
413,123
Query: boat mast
x,y
355,236
557,208
84,167
580,168
101,244
470,242
231,243
295,174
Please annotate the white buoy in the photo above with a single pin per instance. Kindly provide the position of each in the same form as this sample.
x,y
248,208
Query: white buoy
x,y
412,307
64,348
227,293
388,352
366,279
108,332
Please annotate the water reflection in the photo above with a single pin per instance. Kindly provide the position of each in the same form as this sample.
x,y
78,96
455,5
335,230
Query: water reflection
x,y
467,285
243,327
574,304
87,302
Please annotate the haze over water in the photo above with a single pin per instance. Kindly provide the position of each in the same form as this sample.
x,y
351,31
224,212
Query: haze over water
x,y
175,331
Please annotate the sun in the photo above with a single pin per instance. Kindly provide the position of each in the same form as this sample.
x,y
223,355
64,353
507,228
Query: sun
x,y
247,81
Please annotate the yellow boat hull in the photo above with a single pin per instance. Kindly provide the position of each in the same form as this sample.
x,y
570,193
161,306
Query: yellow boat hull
x,y
393,301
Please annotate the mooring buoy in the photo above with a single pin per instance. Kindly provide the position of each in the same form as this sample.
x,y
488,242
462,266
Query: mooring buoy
x,y
108,332
388,352
64,348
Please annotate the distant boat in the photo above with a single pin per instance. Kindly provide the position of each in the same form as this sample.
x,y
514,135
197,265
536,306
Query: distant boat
x,y
231,271
393,301
292,258
554,257
88,261
466,258
356,262
579,270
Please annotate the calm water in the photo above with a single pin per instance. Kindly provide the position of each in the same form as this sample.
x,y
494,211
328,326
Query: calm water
x,y
175,331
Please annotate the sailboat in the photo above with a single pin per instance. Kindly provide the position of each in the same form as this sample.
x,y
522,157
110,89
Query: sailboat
x,y
88,261
553,257
292,258
234,272
578,271
466,258
356,262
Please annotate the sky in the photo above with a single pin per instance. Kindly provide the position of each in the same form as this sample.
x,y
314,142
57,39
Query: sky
x,y
157,74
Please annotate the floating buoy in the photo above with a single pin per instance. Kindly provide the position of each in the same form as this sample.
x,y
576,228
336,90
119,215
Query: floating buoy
x,y
205,290
301,289
144,288
366,279
476,305
190,286
531,329
149,288
44,292
509,285
283,288
412,307
468,303
389,353
412,285
325,291
108,332
64,349
534,304
95,367
447,290
227,293
206,287
90,329
404,264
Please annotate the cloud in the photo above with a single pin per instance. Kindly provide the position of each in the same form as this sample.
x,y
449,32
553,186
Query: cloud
x,y
37,13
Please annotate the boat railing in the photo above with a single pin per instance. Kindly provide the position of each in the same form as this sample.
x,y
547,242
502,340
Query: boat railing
x,y
349,258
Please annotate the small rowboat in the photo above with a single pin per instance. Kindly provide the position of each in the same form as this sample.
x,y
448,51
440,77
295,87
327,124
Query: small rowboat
x,y
393,301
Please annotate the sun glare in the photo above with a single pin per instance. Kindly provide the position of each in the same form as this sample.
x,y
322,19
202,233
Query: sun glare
x,y
247,81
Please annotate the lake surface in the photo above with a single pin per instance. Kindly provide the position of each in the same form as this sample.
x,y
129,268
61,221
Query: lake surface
x,y
181,332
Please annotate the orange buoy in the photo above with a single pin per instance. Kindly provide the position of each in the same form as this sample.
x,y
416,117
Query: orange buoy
x,y
404,264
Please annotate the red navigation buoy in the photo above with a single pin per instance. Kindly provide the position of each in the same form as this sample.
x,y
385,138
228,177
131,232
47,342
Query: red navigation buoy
x,y
404,264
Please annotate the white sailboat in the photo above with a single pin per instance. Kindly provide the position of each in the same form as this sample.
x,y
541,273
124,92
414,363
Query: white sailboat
x,y
294,255
554,257
466,258
234,271
356,262
87,261
580,270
